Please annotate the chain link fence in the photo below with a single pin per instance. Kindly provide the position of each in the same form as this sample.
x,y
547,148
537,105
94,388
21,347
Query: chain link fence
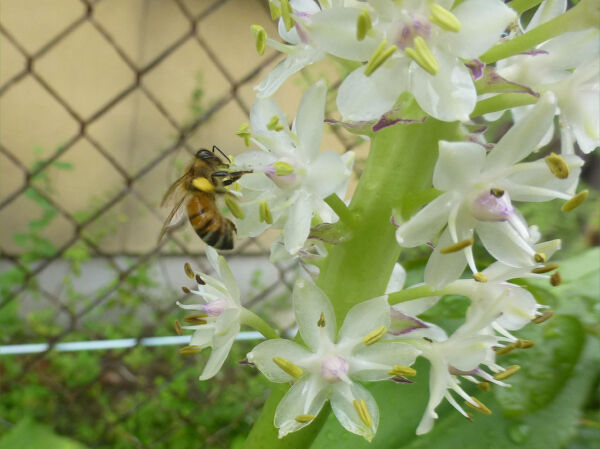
x,y
124,93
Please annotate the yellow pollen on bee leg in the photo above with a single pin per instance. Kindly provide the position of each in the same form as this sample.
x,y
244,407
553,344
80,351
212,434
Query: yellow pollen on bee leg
x,y
374,336
293,370
304,418
444,18
260,35
203,184
457,246
480,407
543,317
379,56
423,56
575,202
558,166
363,411
507,373
363,24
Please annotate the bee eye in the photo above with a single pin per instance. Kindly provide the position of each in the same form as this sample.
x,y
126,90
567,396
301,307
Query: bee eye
x,y
204,154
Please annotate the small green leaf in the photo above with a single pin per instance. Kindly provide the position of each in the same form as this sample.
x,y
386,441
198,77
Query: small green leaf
x,y
28,434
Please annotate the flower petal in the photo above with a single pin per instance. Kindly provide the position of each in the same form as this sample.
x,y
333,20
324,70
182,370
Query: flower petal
x,y
373,363
326,175
458,163
364,318
297,225
397,279
342,404
441,269
263,110
219,353
309,121
309,303
262,356
505,244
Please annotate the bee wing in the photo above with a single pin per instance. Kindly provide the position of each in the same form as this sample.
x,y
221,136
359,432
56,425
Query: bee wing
x,y
178,198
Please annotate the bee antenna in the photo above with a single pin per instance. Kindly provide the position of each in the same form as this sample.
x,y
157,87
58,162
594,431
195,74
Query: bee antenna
x,y
224,155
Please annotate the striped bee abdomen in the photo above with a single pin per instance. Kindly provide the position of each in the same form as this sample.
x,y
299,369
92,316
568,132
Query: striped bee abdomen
x,y
214,229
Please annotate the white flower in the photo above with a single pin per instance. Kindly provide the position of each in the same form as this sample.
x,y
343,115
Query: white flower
x,y
478,193
433,40
218,315
329,366
291,177
567,66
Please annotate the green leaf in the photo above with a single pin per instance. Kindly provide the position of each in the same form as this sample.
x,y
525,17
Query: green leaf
x,y
545,367
28,434
62,165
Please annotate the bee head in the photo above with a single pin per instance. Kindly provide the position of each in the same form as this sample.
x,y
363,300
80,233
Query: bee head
x,y
204,154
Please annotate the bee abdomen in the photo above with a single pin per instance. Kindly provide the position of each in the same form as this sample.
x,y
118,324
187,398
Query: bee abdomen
x,y
214,229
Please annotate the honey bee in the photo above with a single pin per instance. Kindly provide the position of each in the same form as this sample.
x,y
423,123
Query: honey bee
x,y
195,193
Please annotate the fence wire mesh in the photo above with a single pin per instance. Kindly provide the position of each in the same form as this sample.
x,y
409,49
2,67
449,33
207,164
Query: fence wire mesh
x,y
74,75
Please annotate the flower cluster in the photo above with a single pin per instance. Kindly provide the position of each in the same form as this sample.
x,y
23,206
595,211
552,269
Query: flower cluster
x,y
455,66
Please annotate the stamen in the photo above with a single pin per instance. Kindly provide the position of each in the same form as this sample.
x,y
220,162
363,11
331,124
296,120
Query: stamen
x,y
423,56
187,350
304,418
244,133
543,317
264,213
274,124
363,412
507,373
234,207
444,18
363,24
497,192
274,10
556,279
260,35
484,386
199,280
374,336
457,246
286,14
480,407
321,322
283,168
380,55
557,166
575,202
199,318
188,270
203,184
480,277
524,344
505,350
545,268
293,370
186,290
400,370
540,257
178,328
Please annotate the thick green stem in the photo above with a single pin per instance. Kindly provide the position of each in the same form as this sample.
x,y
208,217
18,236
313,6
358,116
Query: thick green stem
x,y
400,164
340,208
502,102
409,294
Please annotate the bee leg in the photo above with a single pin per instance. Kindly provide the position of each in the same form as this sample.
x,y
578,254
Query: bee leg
x,y
234,176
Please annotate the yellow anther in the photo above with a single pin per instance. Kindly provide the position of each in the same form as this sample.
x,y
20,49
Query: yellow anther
x,y
498,193
260,35
304,418
543,317
274,10
199,280
557,166
480,277
264,213
423,56
203,184
457,246
244,133
575,202
507,373
400,370
188,270
540,257
363,24
505,350
524,344
293,370
378,57
283,168
556,279
186,290
363,411
199,318
286,14
545,268
321,322
274,124
234,207
374,336
178,328
480,407
187,350
444,18
484,386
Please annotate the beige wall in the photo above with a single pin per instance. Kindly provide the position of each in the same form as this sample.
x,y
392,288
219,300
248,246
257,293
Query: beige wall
x,y
83,65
